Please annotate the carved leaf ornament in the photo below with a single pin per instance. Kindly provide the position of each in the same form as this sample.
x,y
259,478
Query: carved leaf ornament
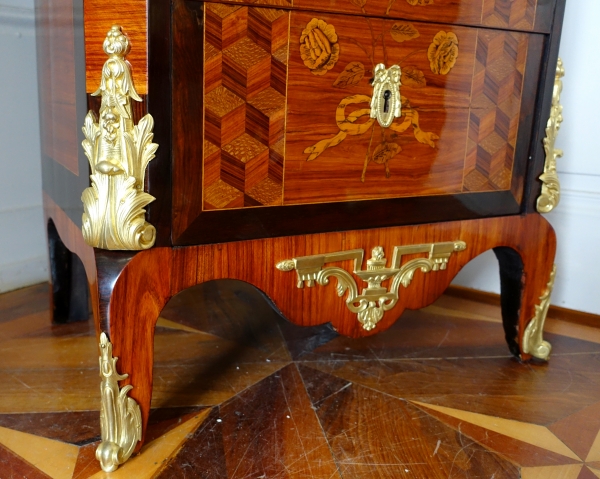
x,y
120,416
550,195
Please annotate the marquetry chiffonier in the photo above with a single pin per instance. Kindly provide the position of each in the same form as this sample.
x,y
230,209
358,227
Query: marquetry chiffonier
x,y
346,157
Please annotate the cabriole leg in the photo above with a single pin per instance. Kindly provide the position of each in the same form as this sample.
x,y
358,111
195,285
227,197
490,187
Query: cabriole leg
x,y
133,291
526,281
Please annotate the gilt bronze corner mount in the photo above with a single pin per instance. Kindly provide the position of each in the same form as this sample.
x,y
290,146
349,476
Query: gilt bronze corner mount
x,y
118,152
550,196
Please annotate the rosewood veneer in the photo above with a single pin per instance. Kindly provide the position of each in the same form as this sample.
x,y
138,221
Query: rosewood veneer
x,y
347,158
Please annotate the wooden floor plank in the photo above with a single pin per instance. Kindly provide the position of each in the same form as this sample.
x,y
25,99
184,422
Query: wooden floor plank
x,y
279,401
55,458
530,433
499,387
552,472
377,436
259,421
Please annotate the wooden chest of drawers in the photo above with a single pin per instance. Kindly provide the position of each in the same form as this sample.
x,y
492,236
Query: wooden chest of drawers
x,y
284,142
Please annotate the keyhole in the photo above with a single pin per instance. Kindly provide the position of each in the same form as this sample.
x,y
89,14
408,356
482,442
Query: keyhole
x,y
386,104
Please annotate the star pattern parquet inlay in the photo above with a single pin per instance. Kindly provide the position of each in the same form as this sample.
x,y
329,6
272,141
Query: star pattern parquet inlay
x,y
241,393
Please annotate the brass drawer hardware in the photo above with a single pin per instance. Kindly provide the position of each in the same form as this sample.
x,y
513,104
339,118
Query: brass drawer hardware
x,y
386,103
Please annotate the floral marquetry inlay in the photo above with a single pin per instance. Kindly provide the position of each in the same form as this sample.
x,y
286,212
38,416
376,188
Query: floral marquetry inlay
x,y
303,85
386,103
319,47
442,53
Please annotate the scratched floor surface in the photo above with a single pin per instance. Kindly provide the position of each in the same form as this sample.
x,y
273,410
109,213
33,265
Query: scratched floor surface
x,y
241,393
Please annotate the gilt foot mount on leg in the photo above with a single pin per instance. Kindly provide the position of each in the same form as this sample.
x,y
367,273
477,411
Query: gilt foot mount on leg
x,y
120,417
533,337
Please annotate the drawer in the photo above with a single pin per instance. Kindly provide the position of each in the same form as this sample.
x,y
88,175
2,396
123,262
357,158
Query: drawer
x,y
284,112
522,15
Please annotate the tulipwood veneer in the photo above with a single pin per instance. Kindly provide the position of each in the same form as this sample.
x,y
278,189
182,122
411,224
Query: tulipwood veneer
x,y
252,167
158,274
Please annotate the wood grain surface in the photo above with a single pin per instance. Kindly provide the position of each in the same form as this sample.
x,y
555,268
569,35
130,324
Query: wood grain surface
x,y
524,15
474,110
99,16
351,170
56,54
495,131
437,395
535,166
151,277
465,119
73,240
187,113
245,84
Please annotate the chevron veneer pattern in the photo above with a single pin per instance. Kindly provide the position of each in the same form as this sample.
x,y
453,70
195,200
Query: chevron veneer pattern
x,y
517,14
495,110
245,51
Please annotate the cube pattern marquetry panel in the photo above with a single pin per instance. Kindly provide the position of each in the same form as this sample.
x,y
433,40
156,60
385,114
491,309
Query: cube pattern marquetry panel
x,y
517,14
245,56
495,110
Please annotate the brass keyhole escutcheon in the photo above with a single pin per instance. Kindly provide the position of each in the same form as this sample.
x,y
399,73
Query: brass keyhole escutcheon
x,y
386,103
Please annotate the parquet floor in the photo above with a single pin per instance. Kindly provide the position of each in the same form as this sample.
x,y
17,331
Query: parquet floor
x,y
240,393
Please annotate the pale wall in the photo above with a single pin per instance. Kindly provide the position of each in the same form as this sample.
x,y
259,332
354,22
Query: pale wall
x,y
577,219
23,257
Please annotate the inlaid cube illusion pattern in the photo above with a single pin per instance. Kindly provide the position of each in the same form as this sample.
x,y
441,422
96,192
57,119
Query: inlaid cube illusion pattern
x,y
495,109
245,55
517,14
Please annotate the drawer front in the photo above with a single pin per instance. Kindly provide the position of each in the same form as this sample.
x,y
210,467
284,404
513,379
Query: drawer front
x,y
521,15
284,111
286,123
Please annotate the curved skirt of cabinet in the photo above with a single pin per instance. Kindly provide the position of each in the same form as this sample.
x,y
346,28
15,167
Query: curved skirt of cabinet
x,y
417,262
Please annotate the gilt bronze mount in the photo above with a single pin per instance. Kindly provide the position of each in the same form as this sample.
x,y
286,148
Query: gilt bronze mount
x,y
373,301
533,337
386,102
118,152
120,416
550,196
